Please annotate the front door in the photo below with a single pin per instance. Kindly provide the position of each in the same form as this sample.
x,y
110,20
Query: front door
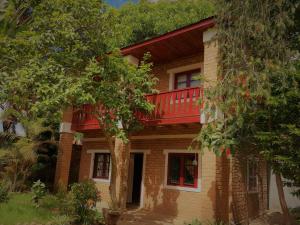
x,y
135,178
75,164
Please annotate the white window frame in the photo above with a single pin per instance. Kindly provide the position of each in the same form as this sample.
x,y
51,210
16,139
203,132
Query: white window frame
x,y
252,159
93,152
188,189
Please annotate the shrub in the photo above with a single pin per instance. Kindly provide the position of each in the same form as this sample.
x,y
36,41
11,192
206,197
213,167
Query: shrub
x,y
39,191
61,220
85,195
4,192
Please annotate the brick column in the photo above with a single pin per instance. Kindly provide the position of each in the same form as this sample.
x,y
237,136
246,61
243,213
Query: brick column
x,y
64,150
223,174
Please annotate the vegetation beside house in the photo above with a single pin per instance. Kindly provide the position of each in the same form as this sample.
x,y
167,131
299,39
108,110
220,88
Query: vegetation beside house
x,y
258,86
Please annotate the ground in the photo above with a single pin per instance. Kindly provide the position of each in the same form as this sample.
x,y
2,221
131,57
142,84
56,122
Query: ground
x,y
20,209
142,217
275,218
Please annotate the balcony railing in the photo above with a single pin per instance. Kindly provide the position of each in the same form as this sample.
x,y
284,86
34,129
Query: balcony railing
x,y
172,107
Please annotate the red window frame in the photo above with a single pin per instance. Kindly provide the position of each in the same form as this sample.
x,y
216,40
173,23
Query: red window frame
x,y
188,77
182,157
106,165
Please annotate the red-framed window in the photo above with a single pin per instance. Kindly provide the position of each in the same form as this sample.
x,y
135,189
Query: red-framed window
x,y
187,79
101,165
183,169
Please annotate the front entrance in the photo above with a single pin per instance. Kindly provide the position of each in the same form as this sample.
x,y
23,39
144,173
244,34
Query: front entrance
x,y
135,179
75,164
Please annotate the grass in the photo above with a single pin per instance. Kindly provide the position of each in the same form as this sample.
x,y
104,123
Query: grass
x,y
20,209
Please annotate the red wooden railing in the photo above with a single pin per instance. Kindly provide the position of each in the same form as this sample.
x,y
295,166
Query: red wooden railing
x,y
172,107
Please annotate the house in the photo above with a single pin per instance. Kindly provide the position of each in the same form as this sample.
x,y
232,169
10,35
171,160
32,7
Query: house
x,y
164,177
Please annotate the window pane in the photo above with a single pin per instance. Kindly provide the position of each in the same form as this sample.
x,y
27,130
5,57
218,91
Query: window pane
x,y
181,82
174,170
101,165
195,79
189,170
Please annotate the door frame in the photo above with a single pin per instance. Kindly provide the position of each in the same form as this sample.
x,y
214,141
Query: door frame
x,y
145,153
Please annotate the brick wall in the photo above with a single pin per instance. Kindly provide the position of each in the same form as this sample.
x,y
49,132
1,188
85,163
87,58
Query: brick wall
x,y
248,205
173,204
161,71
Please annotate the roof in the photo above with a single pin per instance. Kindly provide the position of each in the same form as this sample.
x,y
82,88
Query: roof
x,y
177,43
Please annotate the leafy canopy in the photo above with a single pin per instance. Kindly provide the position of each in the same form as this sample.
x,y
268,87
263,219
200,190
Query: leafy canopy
x,y
52,63
258,83
145,19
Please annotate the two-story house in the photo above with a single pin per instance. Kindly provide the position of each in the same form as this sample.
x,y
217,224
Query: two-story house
x,y
164,177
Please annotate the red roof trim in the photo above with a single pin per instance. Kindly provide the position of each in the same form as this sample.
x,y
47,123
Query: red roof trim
x,y
203,24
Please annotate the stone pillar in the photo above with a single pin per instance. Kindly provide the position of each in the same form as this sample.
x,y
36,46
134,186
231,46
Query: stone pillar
x,y
64,150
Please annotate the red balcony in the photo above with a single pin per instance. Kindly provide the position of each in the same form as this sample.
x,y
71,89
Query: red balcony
x,y
172,107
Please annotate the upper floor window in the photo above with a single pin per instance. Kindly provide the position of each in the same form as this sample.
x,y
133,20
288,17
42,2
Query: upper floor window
x,y
252,175
101,165
183,169
187,79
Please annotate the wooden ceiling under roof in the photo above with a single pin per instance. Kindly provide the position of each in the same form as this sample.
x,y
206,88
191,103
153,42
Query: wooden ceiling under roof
x,y
173,45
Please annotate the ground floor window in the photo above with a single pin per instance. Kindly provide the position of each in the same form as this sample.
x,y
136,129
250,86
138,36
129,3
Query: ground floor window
x,y
101,165
183,169
252,175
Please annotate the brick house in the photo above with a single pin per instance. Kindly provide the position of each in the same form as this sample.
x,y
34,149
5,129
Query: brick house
x,y
164,177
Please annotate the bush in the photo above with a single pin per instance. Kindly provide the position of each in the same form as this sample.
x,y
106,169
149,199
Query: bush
x,y
61,220
84,198
4,192
39,191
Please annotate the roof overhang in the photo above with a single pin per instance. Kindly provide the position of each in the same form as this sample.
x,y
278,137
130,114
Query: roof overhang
x,y
179,43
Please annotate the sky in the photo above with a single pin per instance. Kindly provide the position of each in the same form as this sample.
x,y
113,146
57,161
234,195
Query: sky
x,y
118,3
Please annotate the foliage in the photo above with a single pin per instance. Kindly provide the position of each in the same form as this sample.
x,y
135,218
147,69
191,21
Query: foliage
x,y
20,210
38,190
4,191
143,20
84,198
258,85
61,220
20,155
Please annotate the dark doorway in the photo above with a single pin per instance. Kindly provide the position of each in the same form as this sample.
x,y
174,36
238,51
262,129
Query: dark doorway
x,y
75,164
135,178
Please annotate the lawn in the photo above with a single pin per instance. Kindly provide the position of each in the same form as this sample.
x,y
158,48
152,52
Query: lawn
x,y
20,209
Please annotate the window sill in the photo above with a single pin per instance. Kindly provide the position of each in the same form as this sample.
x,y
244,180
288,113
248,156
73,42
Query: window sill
x,y
99,180
179,188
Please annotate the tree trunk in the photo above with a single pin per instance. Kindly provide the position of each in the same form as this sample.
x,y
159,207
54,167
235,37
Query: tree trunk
x,y
284,208
124,175
120,157
113,179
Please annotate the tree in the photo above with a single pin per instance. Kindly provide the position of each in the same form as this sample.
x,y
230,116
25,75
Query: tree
x,y
145,19
257,88
67,62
